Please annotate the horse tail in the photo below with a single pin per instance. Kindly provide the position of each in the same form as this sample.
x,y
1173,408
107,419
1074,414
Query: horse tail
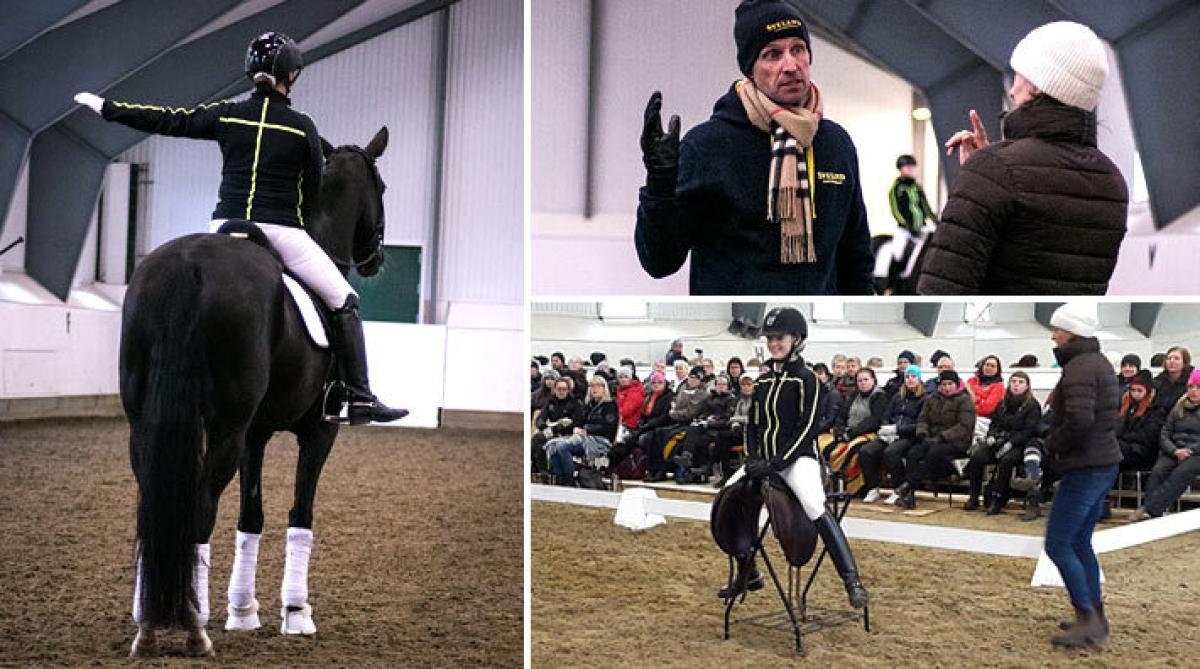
x,y
166,444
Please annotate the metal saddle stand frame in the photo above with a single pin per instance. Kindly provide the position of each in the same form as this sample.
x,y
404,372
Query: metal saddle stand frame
x,y
838,503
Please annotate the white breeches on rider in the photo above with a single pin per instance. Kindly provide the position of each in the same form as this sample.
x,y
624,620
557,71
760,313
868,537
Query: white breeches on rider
x,y
804,478
900,241
305,258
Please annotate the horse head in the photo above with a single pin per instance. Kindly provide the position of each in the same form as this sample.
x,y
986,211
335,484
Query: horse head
x,y
351,224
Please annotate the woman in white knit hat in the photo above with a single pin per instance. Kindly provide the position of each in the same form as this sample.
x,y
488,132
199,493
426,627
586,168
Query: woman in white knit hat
x,y
1043,211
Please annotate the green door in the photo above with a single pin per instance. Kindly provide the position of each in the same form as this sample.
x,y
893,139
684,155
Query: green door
x,y
394,294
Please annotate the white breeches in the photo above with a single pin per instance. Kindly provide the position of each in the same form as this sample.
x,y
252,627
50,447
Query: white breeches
x,y
900,243
804,478
305,258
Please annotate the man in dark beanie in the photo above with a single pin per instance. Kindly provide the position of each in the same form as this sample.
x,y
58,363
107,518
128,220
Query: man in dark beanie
x,y
1042,212
895,383
1082,447
764,195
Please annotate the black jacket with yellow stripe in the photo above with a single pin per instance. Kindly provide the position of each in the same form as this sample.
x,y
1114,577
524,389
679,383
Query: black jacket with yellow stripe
x,y
272,153
783,417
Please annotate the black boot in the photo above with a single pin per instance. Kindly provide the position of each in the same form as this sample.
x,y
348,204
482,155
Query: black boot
x,y
351,351
907,495
995,505
839,551
893,280
754,581
1090,629
1033,506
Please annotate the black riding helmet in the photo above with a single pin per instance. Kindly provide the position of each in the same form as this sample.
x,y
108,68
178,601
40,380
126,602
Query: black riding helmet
x,y
275,54
905,160
785,320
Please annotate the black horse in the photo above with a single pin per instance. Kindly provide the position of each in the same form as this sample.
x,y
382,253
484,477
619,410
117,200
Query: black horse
x,y
215,360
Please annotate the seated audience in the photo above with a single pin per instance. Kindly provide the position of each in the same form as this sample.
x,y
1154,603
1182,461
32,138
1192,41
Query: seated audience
x,y
1179,453
944,431
1014,421
591,439
560,417
903,412
987,386
1141,424
859,420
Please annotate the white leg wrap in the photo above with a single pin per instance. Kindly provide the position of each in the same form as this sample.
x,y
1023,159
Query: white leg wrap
x,y
804,478
200,576
245,563
137,593
295,570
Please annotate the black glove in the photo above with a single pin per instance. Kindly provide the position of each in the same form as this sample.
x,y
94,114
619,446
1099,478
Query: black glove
x,y
759,469
660,152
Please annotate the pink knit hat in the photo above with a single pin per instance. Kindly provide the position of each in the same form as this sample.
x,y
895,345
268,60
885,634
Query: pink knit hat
x,y
1194,379
657,376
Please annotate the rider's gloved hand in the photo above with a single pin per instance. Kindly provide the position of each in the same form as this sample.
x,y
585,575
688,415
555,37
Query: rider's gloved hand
x,y
95,102
759,469
660,151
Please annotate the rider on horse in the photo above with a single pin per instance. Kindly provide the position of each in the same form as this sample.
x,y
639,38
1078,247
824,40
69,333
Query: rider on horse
x,y
272,176
780,437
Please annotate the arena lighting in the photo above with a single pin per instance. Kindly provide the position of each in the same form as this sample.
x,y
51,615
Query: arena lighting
x,y
624,310
921,114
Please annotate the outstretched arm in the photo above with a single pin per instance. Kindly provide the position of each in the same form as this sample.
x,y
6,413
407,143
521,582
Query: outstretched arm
x,y
199,122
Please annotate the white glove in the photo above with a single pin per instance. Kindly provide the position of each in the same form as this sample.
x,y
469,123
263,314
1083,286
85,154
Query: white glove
x,y
90,100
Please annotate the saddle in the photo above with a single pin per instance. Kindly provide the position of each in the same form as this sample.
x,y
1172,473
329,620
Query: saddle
x,y
312,311
734,520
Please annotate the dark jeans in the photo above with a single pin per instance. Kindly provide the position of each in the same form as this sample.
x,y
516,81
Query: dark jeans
x,y
1000,485
723,443
870,458
1168,480
893,458
929,460
1073,516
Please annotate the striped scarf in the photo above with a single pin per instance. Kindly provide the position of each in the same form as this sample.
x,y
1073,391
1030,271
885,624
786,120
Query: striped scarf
x,y
789,197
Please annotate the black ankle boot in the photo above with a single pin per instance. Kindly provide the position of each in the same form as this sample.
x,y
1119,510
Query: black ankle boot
x,y
843,560
972,503
351,351
995,506
754,580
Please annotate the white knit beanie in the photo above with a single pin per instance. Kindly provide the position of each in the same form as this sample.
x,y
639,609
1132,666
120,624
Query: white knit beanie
x,y
1077,318
1065,60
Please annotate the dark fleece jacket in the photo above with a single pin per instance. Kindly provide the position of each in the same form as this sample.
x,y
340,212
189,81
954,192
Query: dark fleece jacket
x,y
719,214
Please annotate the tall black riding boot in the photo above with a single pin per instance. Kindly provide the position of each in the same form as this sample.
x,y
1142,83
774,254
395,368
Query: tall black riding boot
x,y
843,559
895,269
351,350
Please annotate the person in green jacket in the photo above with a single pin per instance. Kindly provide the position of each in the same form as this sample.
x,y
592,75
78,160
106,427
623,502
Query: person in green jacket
x,y
911,210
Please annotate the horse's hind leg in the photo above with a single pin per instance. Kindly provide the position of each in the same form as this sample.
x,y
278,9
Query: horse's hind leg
x,y
316,440
220,463
243,606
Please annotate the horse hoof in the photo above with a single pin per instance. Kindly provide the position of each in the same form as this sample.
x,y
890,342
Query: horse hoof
x,y
198,643
297,621
145,644
243,618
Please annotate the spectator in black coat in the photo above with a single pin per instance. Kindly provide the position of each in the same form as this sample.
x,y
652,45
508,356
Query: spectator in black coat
x,y
1140,426
1012,223
902,415
1130,366
1179,453
1171,383
903,361
675,353
1013,423
562,414
590,438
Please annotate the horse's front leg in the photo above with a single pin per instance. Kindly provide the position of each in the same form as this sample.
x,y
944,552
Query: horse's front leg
x,y
243,606
316,440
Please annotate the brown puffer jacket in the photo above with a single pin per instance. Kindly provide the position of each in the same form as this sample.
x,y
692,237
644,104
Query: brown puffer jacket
x,y
1086,404
949,419
1042,212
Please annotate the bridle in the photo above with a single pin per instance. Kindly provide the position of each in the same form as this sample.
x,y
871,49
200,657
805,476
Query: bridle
x,y
379,226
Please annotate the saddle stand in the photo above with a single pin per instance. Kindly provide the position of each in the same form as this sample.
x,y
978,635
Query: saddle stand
x,y
839,503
